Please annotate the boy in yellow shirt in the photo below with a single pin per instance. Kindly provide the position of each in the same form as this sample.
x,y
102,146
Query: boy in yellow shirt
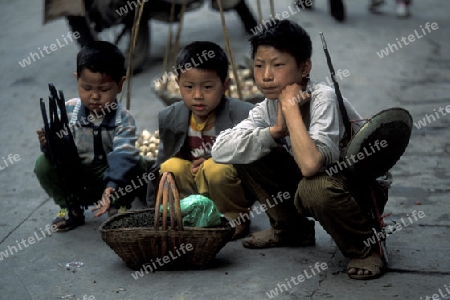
x,y
188,130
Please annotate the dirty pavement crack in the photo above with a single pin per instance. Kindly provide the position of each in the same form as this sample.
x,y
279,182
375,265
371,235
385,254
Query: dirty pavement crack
x,y
23,221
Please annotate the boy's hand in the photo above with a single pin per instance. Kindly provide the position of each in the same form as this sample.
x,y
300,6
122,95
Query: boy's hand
x,y
292,95
105,203
196,164
41,137
280,129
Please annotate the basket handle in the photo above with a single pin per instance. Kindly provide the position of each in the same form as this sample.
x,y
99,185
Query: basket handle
x,y
158,200
176,202
165,195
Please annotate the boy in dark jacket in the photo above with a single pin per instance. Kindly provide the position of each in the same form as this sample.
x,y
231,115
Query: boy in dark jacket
x,y
188,130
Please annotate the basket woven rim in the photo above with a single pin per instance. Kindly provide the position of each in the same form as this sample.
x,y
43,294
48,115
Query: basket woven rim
x,y
135,211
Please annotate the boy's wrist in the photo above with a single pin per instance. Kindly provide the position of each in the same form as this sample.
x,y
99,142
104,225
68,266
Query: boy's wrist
x,y
109,192
276,133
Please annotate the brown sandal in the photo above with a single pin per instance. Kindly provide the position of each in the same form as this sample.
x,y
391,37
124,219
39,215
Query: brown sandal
x,y
68,219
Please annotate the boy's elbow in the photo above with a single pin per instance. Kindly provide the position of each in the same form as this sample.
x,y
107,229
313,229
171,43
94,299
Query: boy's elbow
x,y
309,172
311,168
216,156
220,155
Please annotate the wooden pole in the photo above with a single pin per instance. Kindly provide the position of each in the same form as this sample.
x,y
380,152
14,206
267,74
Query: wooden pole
x,y
172,46
132,46
272,9
258,5
230,51
177,37
168,50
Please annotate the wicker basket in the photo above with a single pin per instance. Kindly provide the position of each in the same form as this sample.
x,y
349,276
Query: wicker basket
x,y
141,246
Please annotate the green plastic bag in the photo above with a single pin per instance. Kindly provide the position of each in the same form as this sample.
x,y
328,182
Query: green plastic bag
x,y
199,211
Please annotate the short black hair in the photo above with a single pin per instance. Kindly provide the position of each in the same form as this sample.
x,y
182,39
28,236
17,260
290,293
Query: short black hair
x,y
102,57
285,36
193,56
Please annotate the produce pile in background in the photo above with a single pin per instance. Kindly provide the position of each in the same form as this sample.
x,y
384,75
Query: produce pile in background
x,y
148,144
169,91
250,91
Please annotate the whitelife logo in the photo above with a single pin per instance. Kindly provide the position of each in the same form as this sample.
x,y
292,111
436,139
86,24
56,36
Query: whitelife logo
x,y
127,189
428,119
151,266
89,119
11,158
49,229
53,47
266,24
391,48
440,296
355,158
204,150
300,278
124,9
393,228
203,57
302,96
259,209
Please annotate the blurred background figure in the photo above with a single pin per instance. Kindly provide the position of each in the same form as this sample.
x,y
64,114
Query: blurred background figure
x,y
402,8
337,9
374,5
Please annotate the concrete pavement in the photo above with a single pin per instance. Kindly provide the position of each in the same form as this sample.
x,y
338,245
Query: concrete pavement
x,y
415,77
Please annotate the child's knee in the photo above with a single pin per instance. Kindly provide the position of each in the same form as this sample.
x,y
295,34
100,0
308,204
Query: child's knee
x,y
319,193
176,165
42,166
218,174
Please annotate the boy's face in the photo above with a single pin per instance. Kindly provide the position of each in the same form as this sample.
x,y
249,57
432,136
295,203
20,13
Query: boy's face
x,y
97,89
274,70
201,91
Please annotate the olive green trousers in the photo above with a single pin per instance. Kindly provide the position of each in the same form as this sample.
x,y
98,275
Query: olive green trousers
x,y
91,178
328,199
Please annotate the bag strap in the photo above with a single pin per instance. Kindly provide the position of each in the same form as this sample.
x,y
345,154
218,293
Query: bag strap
x,y
345,119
